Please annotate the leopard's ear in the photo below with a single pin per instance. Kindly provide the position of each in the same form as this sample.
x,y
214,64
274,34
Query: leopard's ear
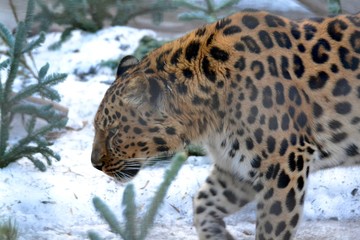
x,y
140,90
143,91
126,63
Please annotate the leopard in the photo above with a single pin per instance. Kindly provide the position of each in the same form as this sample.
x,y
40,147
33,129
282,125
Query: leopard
x,y
271,99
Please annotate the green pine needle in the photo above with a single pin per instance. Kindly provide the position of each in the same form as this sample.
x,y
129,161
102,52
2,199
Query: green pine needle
x,y
11,103
35,43
6,36
148,220
93,235
226,4
4,64
130,231
43,71
37,163
8,230
209,13
29,14
129,212
334,7
28,91
108,215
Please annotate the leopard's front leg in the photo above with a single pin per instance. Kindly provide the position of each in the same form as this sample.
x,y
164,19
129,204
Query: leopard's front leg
x,y
220,196
280,196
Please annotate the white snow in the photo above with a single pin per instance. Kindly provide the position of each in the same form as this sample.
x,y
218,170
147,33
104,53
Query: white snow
x,y
57,204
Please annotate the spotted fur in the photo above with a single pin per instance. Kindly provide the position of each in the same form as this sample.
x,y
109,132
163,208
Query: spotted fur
x,y
271,99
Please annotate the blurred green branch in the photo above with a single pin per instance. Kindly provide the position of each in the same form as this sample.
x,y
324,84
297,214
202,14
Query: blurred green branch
x,y
11,103
8,230
132,230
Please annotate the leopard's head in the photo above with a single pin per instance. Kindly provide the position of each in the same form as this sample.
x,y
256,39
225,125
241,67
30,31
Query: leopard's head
x,y
132,124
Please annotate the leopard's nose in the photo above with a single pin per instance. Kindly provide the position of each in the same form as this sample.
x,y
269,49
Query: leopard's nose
x,y
96,159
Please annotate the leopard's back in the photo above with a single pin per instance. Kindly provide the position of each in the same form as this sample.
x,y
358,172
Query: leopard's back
x,y
272,99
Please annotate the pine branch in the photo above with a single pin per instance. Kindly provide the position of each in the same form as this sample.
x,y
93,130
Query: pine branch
x,y
170,175
334,6
34,144
26,151
210,13
9,230
43,71
94,236
33,102
108,215
4,132
34,88
29,17
37,163
129,212
35,134
226,4
35,43
15,58
122,17
47,111
91,15
4,64
131,230
44,17
191,5
6,36
66,35
210,6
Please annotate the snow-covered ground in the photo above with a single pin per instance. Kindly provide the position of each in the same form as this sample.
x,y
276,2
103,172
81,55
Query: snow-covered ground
x,y
57,204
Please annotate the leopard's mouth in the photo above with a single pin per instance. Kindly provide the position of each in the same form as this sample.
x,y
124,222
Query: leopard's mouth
x,y
127,172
